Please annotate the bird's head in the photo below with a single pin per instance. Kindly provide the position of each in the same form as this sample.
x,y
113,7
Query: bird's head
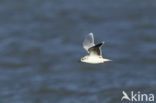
x,y
84,59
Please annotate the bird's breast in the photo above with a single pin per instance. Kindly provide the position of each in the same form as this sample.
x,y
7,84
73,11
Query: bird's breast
x,y
94,59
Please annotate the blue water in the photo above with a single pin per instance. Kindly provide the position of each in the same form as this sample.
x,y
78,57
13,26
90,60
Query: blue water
x,y
41,43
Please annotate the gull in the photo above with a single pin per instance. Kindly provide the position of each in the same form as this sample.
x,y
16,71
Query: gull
x,y
95,53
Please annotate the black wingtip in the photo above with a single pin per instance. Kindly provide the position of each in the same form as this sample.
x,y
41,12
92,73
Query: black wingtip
x,y
99,45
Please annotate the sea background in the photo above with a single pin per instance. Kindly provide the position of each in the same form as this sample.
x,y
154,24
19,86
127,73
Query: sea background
x,y
41,44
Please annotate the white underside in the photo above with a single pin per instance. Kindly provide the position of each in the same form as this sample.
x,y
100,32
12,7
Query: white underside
x,y
95,59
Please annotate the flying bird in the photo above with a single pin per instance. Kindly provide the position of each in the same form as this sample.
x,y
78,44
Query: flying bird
x,y
95,53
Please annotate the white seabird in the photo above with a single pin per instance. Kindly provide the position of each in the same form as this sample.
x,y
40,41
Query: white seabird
x,y
95,53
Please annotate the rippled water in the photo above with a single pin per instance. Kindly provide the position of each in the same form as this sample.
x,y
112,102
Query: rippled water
x,y
41,42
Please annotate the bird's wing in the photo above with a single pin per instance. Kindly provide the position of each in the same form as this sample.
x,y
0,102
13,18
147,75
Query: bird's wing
x,y
96,50
88,42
